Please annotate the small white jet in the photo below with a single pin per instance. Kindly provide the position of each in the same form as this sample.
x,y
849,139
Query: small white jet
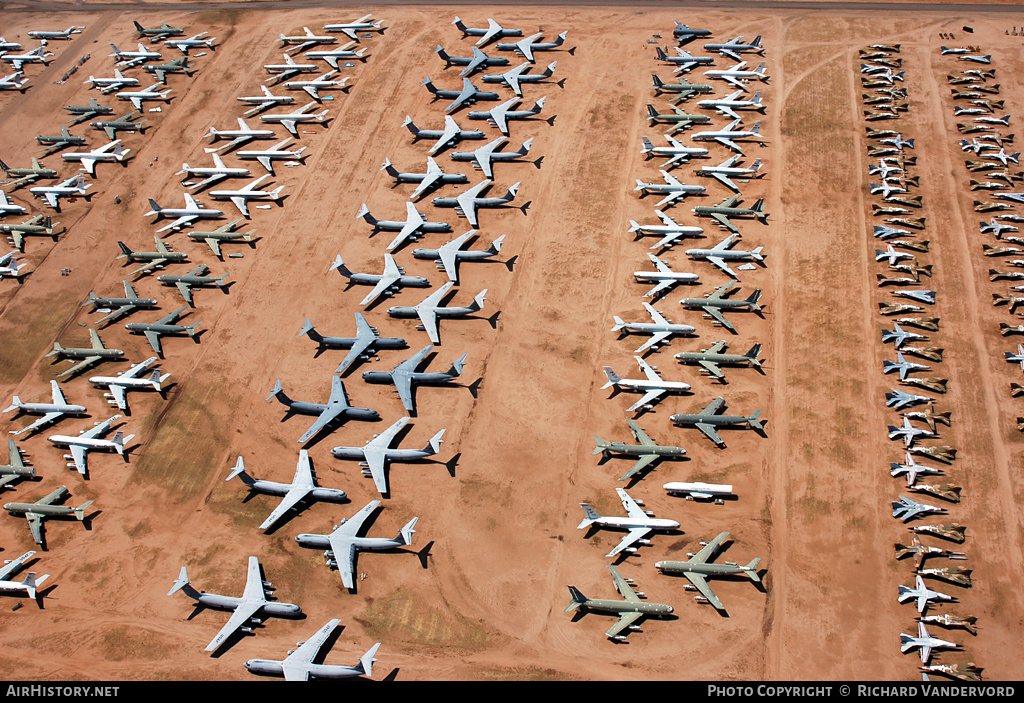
x,y
214,174
290,119
265,101
638,523
652,387
185,216
137,97
924,642
1017,358
352,29
906,509
241,197
243,135
15,81
109,85
7,207
193,42
89,159
315,85
10,268
377,453
660,328
71,188
129,380
51,412
299,665
736,75
921,594
29,584
670,231
912,469
267,156
908,432
698,490
88,440
665,278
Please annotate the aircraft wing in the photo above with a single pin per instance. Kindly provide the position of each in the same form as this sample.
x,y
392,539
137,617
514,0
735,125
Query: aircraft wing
x,y
656,338
649,396
663,285
296,665
342,546
243,613
78,456
623,587
712,368
186,291
149,266
92,360
15,459
716,313
382,285
709,430
242,204
326,417
720,263
291,499
736,82
727,111
631,506
725,141
364,339
41,422
375,457
35,526
449,252
722,178
89,165
215,178
14,565
254,590
708,551
651,374
290,126
403,384
428,181
701,583
468,204
51,198
412,223
640,435
466,94
154,341
625,620
641,464
119,396
724,221
670,198
428,318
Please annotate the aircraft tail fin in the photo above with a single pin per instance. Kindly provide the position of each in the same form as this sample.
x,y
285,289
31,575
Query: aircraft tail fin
x,y
411,127
80,510
458,365
751,570
182,583
364,212
390,168
758,207
278,392
599,445
407,532
366,661
578,599
4,166
239,470
495,247
754,420
444,55
125,251
154,209
613,377
430,85
310,331
119,442
648,147
619,324
754,297
191,329
658,83
634,226
434,444
460,26
339,264
591,516
478,301
660,53
755,351
156,378
31,583
16,401
756,253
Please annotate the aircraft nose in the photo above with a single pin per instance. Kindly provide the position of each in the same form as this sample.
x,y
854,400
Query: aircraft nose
x,y
670,609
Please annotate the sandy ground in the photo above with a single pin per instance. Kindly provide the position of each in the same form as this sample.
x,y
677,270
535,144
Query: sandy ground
x,y
813,494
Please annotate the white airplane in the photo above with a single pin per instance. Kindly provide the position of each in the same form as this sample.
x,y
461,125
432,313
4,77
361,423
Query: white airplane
x,y
448,255
249,610
729,168
315,85
109,85
912,469
299,664
383,284
653,387
638,523
185,216
71,188
351,29
129,59
65,34
302,488
1017,358
290,119
906,509
332,56
377,453
736,75
137,97
7,207
265,101
727,136
267,156
677,151
129,380
248,192
660,328
217,173
342,543
15,81
37,55
306,40
734,47
288,69
722,253
193,42
698,490
51,412
924,642
665,278
887,189
10,268
903,366
89,159
243,135
429,310
9,45
486,156
673,188
29,584
88,440
670,231
1002,156
921,594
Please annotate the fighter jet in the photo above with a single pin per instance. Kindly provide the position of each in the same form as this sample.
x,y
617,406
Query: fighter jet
x,y
629,611
16,470
51,412
899,399
734,47
729,168
414,226
712,359
708,418
468,201
334,411
351,30
432,179
165,325
526,47
37,55
1017,358
302,115
14,81
89,159
430,310
903,366
450,254
404,376
921,594
154,259
922,296
157,34
898,336
314,85
121,124
499,116
1002,157
129,380
342,543
193,42
660,328
195,278
886,189
906,509
924,642
676,151
302,489
921,552
383,284
377,453
24,176
334,55
251,609
638,523
89,440
730,135
176,66
307,40
267,156
265,101
730,103
737,75
289,69
486,156
449,136
672,188
653,387
121,307
479,60
299,665
697,570
722,253
243,195
670,232
727,209
665,278
468,95
44,508
39,224
491,32
29,584
86,112
647,452
137,97
56,143
243,135
72,188
362,347
912,469
908,432
214,174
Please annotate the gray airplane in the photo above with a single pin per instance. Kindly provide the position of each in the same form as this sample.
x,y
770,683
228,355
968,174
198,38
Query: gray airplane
x,y
56,143
723,211
121,307
898,336
734,47
414,226
469,200
516,77
164,326
900,399
697,570
499,116
302,489
685,90
468,95
665,278
342,543
157,34
334,411
109,85
215,174
678,152
526,47
1017,358
29,584
906,509
24,176
727,168
35,513
921,595
912,469
492,31
385,284
196,278
660,329
713,358
243,135
51,412
265,101
713,304
176,66
300,663
37,225
362,347
251,609
185,216
670,232
87,112
299,116
449,255
377,453
486,156
222,235
17,469
731,103
430,311
672,188
730,135
124,123
924,642
683,61
722,253
154,259
909,433
267,156
479,60
646,453
630,610
903,366
404,376
683,34
708,419
89,356
37,55
432,179
449,136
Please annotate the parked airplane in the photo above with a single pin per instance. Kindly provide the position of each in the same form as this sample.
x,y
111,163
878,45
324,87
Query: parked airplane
x,y
267,156
479,60
898,336
697,569
86,112
906,509
121,307
908,432
334,411
679,154
302,489
165,325
729,168
35,513
56,143
37,55
469,200
383,284
176,66
51,412
121,124
514,78
89,159
134,58
734,47
921,594
352,29
414,226
72,188
673,189
699,491
924,642
314,85
684,61
289,69
49,35
10,268
300,664
265,101
14,81
334,55
430,311
137,97
670,232
154,259
432,179
449,136
129,380
1017,358
629,611
730,135
243,135
362,347
17,468
660,328
160,33
713,304
665,278
88,440
646,452
638,523
468,95
243,195
24,176
683,34
448,256
486,156
684,90
722,253
218,172
708,419
307,40
723,211
404,376
29,584
526,47
731,103
499,116
712,359
39,224
899,399
195,278
903,366
377,453
491,32
653,387
193,42
737,74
